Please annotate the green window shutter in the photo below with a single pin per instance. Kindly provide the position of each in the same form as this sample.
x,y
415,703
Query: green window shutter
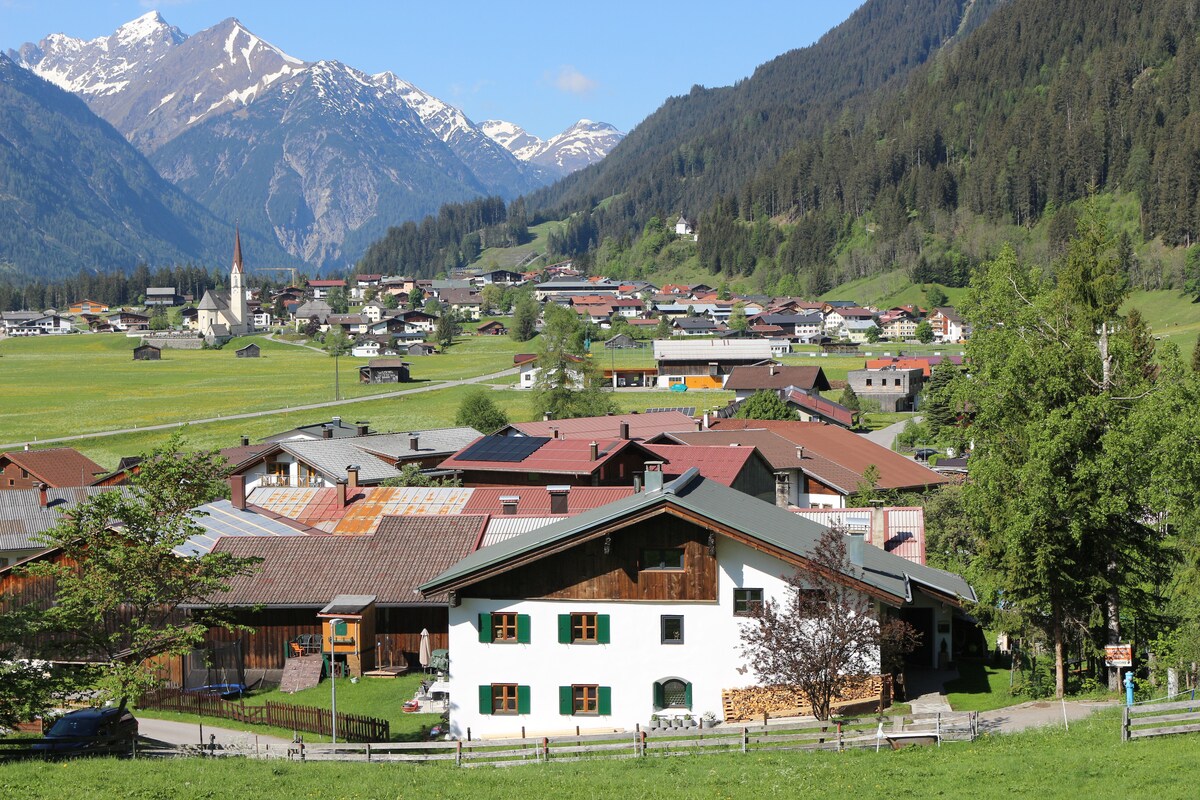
x,y
523,628
340,629
564,628
485,627
660,699
566,701
522,699
687,695
602,628
485,699
604,698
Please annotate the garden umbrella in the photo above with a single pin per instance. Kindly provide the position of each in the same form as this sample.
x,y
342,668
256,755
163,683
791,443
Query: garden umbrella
x,y
424,652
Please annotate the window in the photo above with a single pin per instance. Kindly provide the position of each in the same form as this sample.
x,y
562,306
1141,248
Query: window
x,y
666,558
672,693
897,381
582,699
504,627
745,601
672,629
583,628
869,381
503,698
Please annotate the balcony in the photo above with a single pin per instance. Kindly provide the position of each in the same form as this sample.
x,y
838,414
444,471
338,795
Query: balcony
x,y
287,482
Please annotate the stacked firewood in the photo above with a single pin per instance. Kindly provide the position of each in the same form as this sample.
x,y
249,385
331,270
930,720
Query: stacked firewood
x,y
788,701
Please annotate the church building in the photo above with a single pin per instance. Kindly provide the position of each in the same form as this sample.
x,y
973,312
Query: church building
x,y
224,314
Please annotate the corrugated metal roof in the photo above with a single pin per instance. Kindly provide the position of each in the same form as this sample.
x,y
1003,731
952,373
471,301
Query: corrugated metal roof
x,y
332,456
711,349
501,529
728,507
535,500
23,518
365,514
220,518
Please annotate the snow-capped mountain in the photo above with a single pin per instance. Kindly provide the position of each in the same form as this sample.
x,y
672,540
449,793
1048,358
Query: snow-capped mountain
x,y
317,155
584,143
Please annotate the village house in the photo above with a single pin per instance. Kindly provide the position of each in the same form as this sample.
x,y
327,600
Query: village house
x,y
895,389
636,608
384,370
25,514
948,326
615,426
745,381
320,289
527,366
54,467
88,307
704,364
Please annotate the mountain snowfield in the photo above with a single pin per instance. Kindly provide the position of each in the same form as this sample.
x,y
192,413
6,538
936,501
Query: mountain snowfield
x,y
584,143
224,108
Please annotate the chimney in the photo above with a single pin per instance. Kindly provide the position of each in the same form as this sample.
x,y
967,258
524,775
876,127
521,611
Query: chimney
x,y
237,491
654,476
593,451
337,421
783,490
508,504
326,432
624,430
364,428
351,477
547,416
878,526
341,493
558,499
554,433
637,483
772,369
699,425
245,441
706,420
800,452
44,496
414,442
854,548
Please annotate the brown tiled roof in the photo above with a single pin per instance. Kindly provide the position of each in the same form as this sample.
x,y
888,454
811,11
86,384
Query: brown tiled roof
x,y
57,466
641,426
390,564
777,377
847,450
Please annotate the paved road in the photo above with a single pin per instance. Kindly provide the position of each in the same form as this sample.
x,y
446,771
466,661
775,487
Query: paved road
x,y
431,387
189,733
1036,714
885,436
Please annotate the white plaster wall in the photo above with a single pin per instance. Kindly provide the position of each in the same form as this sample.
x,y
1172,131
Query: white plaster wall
x,y
635,659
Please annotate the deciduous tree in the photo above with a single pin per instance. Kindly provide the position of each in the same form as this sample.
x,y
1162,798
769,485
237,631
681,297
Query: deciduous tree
x,y
479,411
765,404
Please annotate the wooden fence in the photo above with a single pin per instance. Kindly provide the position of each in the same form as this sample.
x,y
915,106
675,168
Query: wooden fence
x,y
876,733
1160,719
310,719
26,747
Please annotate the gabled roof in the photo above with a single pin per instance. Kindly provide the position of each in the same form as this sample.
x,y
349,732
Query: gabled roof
x,y
752,378
830,450
712,350
220,518
308,570
641,426
729,512
23,518
554,456
56,466
720,464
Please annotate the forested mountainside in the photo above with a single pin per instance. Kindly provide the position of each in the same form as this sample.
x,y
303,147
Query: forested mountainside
x,y
699,147
75,195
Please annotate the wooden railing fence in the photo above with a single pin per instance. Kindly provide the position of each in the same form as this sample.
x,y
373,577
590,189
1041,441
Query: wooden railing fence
x,y
309,719
1160,719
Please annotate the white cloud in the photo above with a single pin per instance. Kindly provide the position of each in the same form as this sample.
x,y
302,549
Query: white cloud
x,y
572,81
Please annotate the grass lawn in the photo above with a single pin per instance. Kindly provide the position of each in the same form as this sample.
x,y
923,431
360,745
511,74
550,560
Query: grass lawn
x,y
881,419
67,385
980,687
372,697
1088,761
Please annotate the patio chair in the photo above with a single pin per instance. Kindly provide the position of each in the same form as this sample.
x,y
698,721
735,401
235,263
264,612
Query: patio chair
x,y
439,660
305,640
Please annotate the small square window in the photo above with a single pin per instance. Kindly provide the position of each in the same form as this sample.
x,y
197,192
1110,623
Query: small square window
x,y
746,601
666,558
504,627
672,629
868,381
586,699
504,698
583,627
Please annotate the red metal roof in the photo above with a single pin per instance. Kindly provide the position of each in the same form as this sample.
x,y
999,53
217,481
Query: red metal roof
x,y
557,456
535,500
720,464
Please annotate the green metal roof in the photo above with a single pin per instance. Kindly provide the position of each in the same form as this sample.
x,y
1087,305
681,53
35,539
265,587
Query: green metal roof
x,y
730,508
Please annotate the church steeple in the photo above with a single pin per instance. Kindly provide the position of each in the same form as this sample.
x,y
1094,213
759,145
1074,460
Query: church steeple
x,y
237,249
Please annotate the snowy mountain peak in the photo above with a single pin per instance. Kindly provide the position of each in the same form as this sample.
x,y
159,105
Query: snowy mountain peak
x,y
148,27
584,143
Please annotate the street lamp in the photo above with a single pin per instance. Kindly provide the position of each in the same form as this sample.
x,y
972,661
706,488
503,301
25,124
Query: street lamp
x,y
333,626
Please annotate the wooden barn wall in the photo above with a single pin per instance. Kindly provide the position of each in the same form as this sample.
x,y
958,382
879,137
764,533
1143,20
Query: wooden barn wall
x,y
585,573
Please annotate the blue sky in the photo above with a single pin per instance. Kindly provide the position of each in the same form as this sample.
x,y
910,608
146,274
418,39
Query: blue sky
x,y
541,65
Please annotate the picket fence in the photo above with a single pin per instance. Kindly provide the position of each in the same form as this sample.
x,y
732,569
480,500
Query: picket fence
x,y
309,719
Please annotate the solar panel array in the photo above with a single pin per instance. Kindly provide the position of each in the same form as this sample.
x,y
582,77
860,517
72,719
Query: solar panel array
x,y
689,410
502,448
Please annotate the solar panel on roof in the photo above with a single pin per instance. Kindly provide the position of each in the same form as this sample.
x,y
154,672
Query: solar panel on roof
x,y
688,410
503,448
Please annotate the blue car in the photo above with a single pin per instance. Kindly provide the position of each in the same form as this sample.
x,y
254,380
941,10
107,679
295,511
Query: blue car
x,y
99,730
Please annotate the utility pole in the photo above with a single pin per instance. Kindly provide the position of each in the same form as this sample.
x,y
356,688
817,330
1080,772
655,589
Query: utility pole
x,y
1112,596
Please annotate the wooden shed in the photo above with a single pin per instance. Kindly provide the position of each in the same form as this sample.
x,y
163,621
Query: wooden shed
x,y
348,627
249,351
147,352
384,370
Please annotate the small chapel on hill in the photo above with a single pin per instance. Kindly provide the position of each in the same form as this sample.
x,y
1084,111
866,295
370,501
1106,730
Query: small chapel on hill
x,y
223,314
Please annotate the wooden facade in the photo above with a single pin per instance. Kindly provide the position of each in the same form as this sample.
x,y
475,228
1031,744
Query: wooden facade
x,y
586,572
